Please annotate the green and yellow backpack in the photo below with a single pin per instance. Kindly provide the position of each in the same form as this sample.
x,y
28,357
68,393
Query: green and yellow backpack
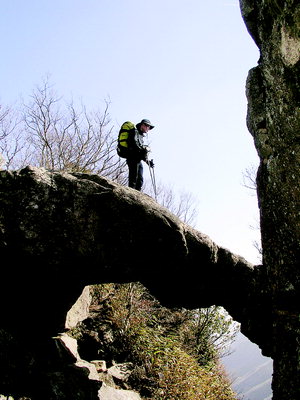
x,y
122,148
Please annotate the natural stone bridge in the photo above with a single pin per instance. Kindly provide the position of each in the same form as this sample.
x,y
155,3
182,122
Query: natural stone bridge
x,y
60,232
63,231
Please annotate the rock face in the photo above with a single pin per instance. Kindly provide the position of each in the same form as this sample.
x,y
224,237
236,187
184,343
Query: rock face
x,y
61,232
274,121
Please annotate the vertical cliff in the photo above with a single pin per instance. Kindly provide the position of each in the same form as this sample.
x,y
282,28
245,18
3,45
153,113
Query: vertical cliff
x,y
274,121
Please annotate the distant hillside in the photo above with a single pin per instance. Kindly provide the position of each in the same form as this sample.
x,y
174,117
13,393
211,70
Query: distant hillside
x,y
250,371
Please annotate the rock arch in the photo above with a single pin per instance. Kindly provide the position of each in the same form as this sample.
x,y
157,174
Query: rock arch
x,y
60,232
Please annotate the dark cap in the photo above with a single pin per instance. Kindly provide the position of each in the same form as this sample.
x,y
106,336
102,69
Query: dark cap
x,y
147,122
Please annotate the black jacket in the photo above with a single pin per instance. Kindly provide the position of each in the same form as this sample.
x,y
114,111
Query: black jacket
x,y
136,148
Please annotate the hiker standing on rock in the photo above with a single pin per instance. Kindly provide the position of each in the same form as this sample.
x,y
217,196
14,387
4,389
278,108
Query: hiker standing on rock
x,y
131,146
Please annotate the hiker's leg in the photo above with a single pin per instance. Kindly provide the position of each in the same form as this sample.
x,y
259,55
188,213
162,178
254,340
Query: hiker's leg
x,y
132,173
140,179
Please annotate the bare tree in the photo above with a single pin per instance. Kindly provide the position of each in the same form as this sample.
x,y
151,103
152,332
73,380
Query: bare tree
x,y
249,177
183,205
65,138
249,182
3,115
12,141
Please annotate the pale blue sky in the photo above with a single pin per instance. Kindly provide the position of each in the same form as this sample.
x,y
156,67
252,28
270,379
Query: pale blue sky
x,y
182,64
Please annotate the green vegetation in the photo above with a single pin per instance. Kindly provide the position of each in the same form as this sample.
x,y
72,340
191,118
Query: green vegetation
x,y
175,353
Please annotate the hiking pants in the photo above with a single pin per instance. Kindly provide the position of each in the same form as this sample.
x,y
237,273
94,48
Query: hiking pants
x,y
135,177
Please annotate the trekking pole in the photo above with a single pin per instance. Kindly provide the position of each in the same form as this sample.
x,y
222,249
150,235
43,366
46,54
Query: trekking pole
x,y
152,175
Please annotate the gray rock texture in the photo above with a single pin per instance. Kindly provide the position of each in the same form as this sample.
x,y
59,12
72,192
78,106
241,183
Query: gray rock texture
x,y
61,232
274,121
